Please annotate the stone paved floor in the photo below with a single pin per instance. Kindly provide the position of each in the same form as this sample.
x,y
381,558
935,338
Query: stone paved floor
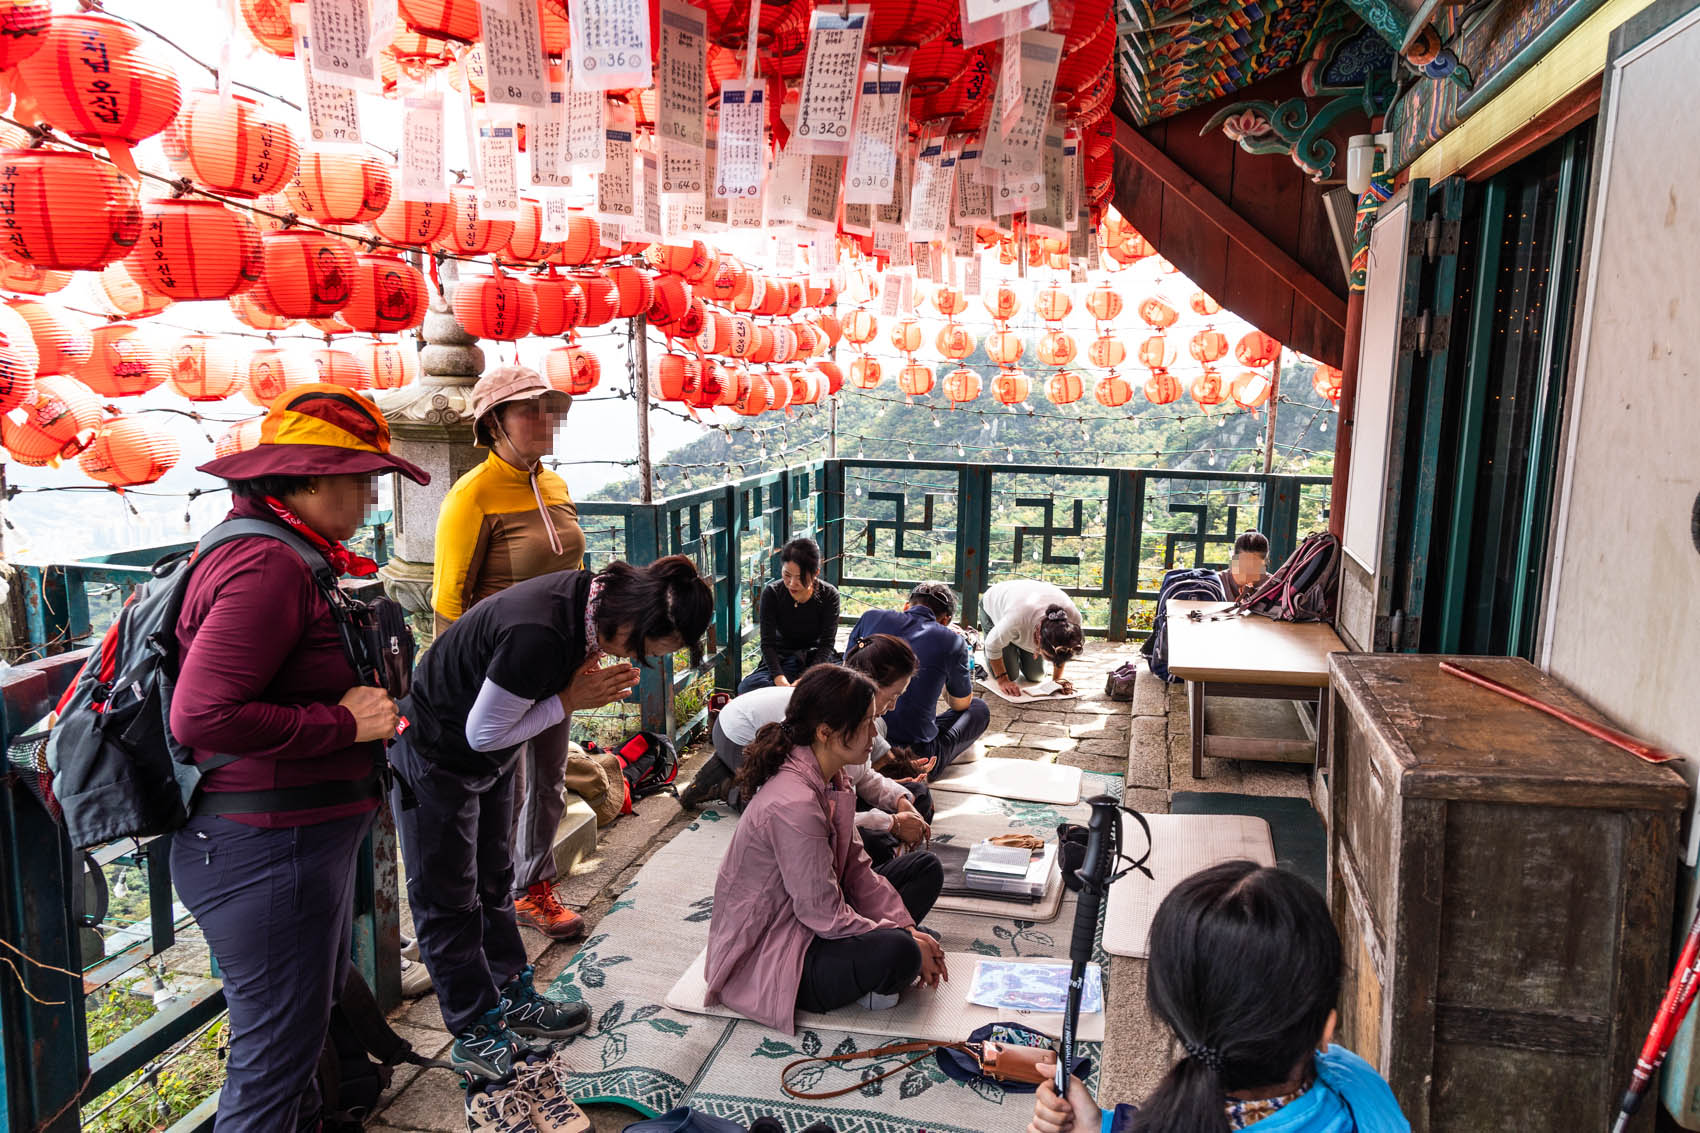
x,y
1149,741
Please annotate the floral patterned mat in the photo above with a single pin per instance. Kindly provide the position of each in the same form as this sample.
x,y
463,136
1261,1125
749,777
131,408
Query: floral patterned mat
x,y
641,1054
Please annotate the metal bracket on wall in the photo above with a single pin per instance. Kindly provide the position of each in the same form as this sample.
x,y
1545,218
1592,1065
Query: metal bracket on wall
x,y
1414,333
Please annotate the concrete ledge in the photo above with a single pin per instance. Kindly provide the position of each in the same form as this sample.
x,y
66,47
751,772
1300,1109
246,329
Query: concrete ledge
x,y
575,838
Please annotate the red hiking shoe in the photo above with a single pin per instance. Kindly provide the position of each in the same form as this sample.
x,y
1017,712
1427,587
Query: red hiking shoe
x,y
538,908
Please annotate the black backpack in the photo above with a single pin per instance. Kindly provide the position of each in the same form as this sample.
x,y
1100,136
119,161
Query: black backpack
x,y
1195,583
359,1059
650,763
117,770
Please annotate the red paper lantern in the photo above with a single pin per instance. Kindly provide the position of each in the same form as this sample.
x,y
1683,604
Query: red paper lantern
x,y
560,305
20,360
807,387
196,249
205,367
1107,351
1327,382
442,19
59,419
1004,347
127,295
1104,302
581,241
23,29
778,391
833,374
126,452
1053,304
865,372
61,342
955,341
98,81
126,360
240,437
1056,348
1257,349
950,302
1161,388
273,371
1250,389
693,261
831,326
860,327
500,307
677,376
755,393
1207,389
65,211
268,22
1202,304
1003,303
308,275
235,147
1064,388
906,336
1131,250
670,298
390,364
572,369
340,368
340,187
915,379
1155,353
27,279
414,223
600,298
762,346
1114,391
1208,346
961,385
1157,313
636,290
740,337
1010,387
386,295
250,313
468,235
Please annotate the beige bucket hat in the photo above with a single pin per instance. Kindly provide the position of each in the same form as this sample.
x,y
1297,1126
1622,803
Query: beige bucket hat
x,y
503,384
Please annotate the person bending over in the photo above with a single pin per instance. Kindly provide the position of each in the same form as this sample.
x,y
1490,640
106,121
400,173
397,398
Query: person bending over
x,y
1027,623
944,663
798,613
801,920
1250,565
1245,970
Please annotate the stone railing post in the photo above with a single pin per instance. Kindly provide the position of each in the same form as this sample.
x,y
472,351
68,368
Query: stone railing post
x,y
431,425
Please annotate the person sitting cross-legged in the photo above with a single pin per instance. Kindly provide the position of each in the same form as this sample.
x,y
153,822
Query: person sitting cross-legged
x,y
798,613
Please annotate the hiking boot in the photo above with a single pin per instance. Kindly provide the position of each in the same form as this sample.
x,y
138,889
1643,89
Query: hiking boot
x,y
410,949
498,1108
539,1083
528,1012
709,785
538,908
415,980
487,1049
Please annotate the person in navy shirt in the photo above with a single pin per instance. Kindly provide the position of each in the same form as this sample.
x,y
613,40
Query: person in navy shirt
x,y
944,664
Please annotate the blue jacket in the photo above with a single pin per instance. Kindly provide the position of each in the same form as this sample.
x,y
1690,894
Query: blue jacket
x,y
1348,1097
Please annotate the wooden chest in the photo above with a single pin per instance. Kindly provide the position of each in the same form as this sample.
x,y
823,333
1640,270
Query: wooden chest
x,y
1503,887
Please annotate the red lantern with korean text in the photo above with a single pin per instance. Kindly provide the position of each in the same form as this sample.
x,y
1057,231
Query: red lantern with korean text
x,y
560,304
61,342
1250,389
469,235
1107,351
1207,388
962,385
1208,346
126,361
865,372
388,295
308,274
391,365
955,341
340,368
500,307
1114,391
23,29
1202,304
1053,304
127,451
1056,348
232,147
526,245
755,393
1064,388
1257,349
1104,303
66,211
20,360
676,376
414,223
57,420
1011,387
127,295
273,371
1162,388
1327,381
197,249
1004,347
1002,302
1157,313
340,187
205,367
915,379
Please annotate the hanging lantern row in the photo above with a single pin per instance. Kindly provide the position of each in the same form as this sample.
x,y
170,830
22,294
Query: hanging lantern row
x,y
701,383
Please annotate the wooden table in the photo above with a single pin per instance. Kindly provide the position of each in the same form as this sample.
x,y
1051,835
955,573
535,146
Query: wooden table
x,y
1250,656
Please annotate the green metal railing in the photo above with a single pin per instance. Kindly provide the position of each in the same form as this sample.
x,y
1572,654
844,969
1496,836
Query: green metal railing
x,y
1106,535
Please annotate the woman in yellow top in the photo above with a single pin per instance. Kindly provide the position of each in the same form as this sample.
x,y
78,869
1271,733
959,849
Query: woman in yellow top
x,y
507,520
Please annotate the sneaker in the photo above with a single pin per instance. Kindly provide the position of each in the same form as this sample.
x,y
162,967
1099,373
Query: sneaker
x,y
410,949
415,980
709,785
486,1049
498,1108
538,908
874,1001
538,1081
527,1012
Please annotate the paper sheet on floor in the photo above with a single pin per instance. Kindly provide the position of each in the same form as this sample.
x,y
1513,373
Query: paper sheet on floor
x,y
1046,689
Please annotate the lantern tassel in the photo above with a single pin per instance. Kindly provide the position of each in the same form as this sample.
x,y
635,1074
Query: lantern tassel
x,y
118,151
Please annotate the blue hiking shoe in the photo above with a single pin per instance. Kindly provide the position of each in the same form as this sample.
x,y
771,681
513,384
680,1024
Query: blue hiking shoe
x,y
488,1048
528,1012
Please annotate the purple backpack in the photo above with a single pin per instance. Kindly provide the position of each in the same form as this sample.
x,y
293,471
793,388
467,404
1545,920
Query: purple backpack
x,y
1304,589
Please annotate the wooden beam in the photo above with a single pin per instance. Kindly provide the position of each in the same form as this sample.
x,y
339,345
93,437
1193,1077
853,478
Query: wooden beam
x,y
1546,127
1212,208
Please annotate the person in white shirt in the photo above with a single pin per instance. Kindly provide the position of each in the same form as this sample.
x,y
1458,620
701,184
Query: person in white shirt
x,y
1028,622
899,813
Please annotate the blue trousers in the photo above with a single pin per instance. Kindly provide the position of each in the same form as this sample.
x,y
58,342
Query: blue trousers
x,y
457,847
277,909
791,665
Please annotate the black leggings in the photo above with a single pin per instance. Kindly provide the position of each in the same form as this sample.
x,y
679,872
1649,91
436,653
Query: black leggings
x,y
837,973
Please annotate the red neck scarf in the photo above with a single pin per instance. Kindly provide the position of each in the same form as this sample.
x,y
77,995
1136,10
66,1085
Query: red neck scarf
x,y
342,560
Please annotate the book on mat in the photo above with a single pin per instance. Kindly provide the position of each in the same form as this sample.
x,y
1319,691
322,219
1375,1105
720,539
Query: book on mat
x,y
1008,861
1030,883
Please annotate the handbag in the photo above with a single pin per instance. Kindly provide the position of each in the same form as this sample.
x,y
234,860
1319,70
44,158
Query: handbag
x,y
1005,1053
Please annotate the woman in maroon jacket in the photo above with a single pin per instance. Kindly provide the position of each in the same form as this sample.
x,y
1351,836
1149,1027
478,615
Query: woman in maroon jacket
x,y
266,862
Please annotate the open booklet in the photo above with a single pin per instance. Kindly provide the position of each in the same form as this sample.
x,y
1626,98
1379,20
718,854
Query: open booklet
x,y
1046,689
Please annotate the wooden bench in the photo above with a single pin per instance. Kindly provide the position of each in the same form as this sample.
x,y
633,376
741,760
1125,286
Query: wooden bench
x,y
1256,657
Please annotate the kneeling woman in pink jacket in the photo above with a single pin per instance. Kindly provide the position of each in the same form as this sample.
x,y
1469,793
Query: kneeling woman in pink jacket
x,y
801,920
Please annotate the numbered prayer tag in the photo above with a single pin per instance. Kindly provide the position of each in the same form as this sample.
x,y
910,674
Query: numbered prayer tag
x,y
516,73
610,43
742,150
587,126
827,102
424,172
872,171
344,52
333,112
498,173
1015,155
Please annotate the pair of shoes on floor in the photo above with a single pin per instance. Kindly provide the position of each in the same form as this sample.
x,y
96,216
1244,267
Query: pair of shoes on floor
x,y
528,1012
499,1041
530,1101
539,908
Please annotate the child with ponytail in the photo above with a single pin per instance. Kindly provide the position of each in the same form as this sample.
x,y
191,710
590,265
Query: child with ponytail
x,y
1245,970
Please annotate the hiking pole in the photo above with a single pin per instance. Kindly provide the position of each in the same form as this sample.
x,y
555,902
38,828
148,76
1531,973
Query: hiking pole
x,y
1638,748
1095,877
1679,996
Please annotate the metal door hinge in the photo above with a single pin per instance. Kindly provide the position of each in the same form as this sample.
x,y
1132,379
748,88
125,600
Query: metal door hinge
x,y
1414,334
1440,337
1441,237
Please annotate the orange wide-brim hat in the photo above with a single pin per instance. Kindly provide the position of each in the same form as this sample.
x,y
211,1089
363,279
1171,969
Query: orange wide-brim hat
x,y
318,430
